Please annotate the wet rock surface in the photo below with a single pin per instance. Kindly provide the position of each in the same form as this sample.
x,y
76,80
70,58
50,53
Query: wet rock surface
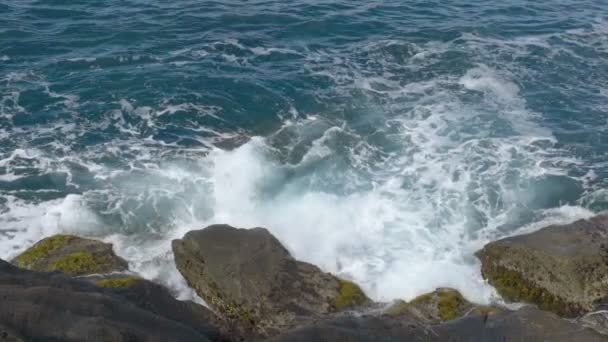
x,y
251,279
563,269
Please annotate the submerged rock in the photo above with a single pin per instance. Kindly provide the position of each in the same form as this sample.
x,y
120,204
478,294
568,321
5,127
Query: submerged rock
x,y
251,279
71,255
54,307
563,269
525,325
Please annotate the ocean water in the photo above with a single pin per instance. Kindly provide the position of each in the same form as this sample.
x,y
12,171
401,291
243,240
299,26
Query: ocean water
x,y
385,141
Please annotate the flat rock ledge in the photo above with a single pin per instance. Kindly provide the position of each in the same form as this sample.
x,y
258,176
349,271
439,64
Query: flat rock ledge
x,y
527,324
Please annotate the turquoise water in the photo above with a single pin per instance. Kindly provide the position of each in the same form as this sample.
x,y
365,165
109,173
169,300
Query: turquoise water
x,y
385,141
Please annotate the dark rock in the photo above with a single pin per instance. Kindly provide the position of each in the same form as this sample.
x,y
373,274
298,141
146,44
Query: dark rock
x,y
9,335
251,279
597,320
563,269
525,325
54,307
71,255
158,300
356,328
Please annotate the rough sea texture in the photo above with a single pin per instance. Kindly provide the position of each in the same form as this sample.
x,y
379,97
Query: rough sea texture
x,y
385,141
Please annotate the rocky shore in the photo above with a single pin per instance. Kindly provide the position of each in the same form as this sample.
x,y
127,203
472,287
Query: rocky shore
x,y
68,288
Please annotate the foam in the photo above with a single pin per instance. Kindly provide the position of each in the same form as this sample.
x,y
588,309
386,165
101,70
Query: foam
x,y
24,223
152,259
263,51
381,238
486,80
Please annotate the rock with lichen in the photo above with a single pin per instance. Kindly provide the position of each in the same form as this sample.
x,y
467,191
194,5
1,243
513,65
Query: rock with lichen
x,y
251,279
117,282
563,269
71,255
441,305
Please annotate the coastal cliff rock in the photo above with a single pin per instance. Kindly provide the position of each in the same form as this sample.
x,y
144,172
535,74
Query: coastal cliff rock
x,y
527,324
563,269
54,307
156,299
259,292
71,255
250,278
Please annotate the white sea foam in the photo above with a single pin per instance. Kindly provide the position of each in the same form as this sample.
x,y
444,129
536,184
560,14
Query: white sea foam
x,y
27,222
264,51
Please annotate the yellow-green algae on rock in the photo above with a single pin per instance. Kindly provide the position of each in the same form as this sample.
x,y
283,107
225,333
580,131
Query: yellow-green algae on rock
x,y
511,285
349,295
484,310
560,268
79,263
42,249
71,255
443,304
398,307
449,305
117,282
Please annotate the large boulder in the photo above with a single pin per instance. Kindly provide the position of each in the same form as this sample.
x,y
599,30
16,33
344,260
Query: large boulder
x,y
525,325
563,269
54,307
71,255
251,279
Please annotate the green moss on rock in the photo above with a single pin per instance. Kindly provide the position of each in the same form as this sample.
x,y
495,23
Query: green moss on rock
x,y
425,298
484,311
117,282
349,295
72,255
449,305
79,263
398,307
443,304
512,286
42,250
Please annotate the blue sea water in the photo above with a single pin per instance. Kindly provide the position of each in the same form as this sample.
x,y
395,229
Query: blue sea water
x,y
384,141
